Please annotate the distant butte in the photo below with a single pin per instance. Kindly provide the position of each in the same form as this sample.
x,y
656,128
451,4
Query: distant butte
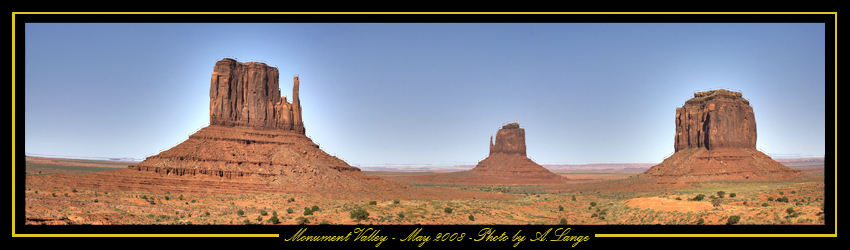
x,y
506,164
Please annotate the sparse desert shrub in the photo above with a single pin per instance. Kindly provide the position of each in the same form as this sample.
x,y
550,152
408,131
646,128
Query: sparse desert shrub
x,y
73,190
66,195
315,208
793,192
594,215
180,198
373,203
560,208
308,211
359,214
152,202
289,210
471,218
324,222
302,221
783,199
291,200
563,221
167,198
720,194
274,220
716,202
790,211
207,213
263,212
769,198
678,198
448,210
259,218
401,215
781,193
396,201
700,221
765,204
573,198
733,219
699,197
95,200
274,213
592,203
732,195
240,212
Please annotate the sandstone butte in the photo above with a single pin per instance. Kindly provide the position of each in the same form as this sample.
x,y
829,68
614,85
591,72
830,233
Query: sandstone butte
x,y
255,142
716,141
507,164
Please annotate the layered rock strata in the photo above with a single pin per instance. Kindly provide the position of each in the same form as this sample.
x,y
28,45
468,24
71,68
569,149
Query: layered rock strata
x,y
247,94
715,119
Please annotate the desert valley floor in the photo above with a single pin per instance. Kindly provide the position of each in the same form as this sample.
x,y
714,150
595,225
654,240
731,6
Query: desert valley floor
x,y
578,202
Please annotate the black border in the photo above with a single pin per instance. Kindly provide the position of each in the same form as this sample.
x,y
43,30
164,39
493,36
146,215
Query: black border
x,y
402,231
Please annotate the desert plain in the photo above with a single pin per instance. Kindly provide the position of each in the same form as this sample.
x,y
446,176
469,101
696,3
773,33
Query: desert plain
x,y
576,202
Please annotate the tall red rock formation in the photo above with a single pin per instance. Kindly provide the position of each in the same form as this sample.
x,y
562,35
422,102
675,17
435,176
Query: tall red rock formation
x,y
247,94
716,140
509,140
506,164
255,142
715,119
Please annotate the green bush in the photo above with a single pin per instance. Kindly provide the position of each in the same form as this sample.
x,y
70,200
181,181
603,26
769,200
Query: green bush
x,y
240,212
733,219
783,199
769,198
308,211
781,193
74,190
448,210
207,213
471,218
765,204
263,212
563,221
359,214
181,197
594,215
274,220
732,195
720,194
315,208
401,215
259,218
560,208
592,203
324,222
302,221
574,198
793,192
291,200
396,201
678,198
289,210
373,203
700,221
790,211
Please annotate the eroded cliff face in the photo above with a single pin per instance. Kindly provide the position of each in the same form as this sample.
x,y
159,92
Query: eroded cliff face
x,y
715,119
248,94
509,140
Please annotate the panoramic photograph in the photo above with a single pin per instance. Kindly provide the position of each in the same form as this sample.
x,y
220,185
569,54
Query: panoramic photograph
x,y
424,124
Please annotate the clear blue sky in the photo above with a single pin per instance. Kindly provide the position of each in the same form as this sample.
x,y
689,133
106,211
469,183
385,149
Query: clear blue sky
x,y
427,93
